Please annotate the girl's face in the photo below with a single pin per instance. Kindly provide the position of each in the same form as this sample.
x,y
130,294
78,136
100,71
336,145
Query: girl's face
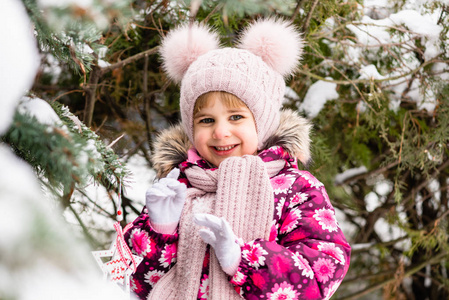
x,y
220,132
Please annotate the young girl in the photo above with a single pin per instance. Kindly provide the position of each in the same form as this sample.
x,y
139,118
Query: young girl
x,y
233,215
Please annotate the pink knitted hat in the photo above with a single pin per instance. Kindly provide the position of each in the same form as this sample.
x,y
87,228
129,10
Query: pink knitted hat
x,y
254,72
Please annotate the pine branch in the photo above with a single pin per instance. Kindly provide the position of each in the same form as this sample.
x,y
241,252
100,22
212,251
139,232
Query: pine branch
x,y
52,152
111,171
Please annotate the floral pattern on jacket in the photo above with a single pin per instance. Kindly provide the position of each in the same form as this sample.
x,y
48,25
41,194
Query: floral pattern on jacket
x,y
306,256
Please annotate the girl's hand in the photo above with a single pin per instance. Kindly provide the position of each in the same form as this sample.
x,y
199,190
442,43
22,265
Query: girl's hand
x,y
164,201
220,236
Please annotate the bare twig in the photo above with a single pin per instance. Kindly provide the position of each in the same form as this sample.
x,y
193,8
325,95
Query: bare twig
x,y
402,139
360,277
368,174
296,12
145,27
409,86
383,244
91,94
156,8
129,60
147,102
216,8
100,209
424,183
66,93
410,271
444,11
309,16
89,237
97,73
116,140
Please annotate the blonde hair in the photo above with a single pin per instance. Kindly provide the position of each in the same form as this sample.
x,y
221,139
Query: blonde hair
x,y
229,100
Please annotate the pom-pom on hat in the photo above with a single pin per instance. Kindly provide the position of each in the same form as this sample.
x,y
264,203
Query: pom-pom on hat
x,y
268,51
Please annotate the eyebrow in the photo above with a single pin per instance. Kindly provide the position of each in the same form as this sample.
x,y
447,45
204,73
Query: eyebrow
x,y
199,115
237,110
228,111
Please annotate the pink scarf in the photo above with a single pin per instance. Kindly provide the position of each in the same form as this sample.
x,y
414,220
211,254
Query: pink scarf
x,y
240,191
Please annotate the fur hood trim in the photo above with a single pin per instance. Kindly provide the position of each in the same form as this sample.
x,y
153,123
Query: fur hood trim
x,y
172,144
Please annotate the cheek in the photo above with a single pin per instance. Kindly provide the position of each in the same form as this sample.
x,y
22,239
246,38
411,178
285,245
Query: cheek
x,y
252,139
199,140
254,144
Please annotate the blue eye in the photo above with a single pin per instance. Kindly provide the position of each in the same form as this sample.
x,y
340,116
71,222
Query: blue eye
x,y
207,120
236,117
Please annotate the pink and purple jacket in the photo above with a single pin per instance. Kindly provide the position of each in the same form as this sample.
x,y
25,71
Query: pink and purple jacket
x,y
306,256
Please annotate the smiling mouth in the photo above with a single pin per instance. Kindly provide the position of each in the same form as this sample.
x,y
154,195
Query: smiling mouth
x,y
224,148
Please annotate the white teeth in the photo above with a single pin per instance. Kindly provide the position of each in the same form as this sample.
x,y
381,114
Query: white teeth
x,y
224,148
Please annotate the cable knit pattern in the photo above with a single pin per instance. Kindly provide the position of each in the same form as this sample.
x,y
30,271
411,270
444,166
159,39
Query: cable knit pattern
x,y
247,207
181,282
268,50
306,256
241,73
225,192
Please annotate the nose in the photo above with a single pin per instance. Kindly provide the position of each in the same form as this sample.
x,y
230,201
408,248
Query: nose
x,y
221,130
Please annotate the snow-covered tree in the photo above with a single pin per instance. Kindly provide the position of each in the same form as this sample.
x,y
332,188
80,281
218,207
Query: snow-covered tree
x,y
40,258
373,80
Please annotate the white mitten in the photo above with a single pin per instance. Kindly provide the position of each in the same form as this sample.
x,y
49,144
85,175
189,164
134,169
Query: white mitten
x,y
165,200
220,236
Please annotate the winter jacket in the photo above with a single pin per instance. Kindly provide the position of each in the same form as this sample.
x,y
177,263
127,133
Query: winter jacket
x,y
306,256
